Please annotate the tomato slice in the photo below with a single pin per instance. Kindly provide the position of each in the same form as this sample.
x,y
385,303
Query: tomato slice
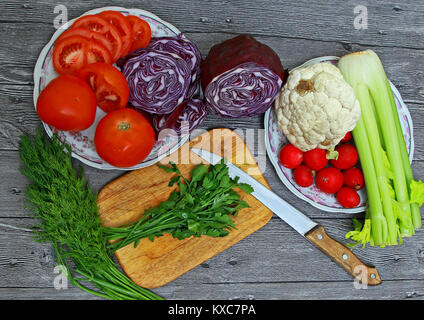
x,y
69,54
109,85
88,34
98,24
118,20
97,53
141,32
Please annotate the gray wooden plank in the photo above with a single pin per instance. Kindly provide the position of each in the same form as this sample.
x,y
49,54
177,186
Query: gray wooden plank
x,y
331,20
389,290
274,253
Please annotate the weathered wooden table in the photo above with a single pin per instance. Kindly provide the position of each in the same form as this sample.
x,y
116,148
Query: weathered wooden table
x,y
275,262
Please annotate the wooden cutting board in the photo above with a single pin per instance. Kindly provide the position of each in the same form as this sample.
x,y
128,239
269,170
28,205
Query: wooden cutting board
x,y
153,264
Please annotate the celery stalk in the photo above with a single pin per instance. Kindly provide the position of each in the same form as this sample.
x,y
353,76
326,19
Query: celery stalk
x,y
365,73
415,209
371,127
375,208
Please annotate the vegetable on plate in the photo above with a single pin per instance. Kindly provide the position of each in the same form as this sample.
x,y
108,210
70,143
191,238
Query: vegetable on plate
x,y
141,32
290,156
347,156
123,26
96,23
74,52
108,83
124,138
329,180
162,75
241,77
316,159
394,197
316,107
67,103
187,116
303,176
203,205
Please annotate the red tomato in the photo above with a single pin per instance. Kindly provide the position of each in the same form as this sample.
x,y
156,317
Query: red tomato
x,y
348,197
124,138
67,103
74,52
353,178
347,137
303,176
290,156
88,34
100,25
109,85
329,180
141,32
123,26
315,159
347,158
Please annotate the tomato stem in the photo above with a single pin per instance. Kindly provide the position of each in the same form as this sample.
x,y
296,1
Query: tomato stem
x,y
124,126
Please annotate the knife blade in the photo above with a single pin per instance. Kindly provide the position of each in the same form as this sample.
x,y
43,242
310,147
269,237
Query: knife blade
x,y
311,230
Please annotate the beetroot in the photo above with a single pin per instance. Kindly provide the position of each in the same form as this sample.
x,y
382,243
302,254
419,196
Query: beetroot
x,y
241,77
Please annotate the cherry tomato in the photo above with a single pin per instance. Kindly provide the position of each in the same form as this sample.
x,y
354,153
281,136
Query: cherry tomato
x,y
109,85
89,35
348,197
123,26
347,137
315,159
100,25
303,176
141,32
124,138
67,103
353,178
329,180
290,156
74,52
347,158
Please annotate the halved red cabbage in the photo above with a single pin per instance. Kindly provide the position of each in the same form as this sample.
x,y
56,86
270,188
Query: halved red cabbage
x,y
186,50
158,80
241,77
187,116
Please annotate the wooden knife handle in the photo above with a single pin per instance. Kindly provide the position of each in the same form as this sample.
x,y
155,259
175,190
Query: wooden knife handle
x,y
343,256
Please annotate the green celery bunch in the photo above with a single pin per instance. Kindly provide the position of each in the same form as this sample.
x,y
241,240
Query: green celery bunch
x,y
394,197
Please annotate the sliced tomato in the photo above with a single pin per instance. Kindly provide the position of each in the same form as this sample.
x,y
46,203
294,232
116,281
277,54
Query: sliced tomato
x,y
118,20
98,24
109,85
97,53
141,32
69,54
88,34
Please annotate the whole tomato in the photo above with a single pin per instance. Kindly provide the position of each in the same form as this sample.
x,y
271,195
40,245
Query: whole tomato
x,y
329,180
67,103
347,158
290,156
124,138
316,159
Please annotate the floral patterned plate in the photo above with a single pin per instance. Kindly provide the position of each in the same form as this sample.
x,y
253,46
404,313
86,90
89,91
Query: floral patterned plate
x,y
82,141
275,139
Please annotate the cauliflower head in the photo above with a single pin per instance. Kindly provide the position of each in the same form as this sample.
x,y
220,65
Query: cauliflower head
x,y
316,107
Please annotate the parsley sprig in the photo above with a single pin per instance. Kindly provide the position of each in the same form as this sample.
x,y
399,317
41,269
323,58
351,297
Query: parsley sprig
x,y
203,205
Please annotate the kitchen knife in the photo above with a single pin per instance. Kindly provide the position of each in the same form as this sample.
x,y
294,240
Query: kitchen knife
x,y
312,231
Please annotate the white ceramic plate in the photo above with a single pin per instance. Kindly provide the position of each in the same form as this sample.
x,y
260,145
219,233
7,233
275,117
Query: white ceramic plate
x,y
82,141
275,139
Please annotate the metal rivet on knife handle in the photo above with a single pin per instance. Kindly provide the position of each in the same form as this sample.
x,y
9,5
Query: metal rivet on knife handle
x,y
343,256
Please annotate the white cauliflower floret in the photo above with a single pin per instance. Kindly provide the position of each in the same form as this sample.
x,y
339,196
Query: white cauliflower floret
x,y
316,107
